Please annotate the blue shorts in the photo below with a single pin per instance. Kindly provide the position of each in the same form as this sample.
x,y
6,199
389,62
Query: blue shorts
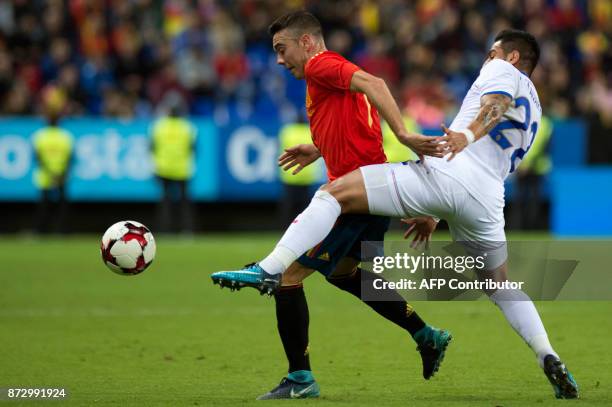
x,y
344,240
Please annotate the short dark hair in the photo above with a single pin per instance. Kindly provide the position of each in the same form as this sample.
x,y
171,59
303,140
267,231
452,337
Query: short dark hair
x,y
301,21
524,43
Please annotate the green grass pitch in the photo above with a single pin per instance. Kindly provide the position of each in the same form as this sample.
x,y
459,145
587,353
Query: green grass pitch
x,y
169,337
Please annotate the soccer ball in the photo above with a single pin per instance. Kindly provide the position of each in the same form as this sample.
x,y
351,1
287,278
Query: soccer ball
x,y
127,248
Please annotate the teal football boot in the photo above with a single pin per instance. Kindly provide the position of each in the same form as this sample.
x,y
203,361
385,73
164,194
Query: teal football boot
x,y
289,389
562,381
432,344
252,275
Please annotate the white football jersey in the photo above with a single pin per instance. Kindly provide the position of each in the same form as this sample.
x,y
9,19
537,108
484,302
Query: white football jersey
x,y
484,165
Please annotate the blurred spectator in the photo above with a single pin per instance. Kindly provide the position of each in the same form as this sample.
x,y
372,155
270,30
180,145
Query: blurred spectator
x,y
165,82
196,71
96,78
595,105
340,41
376,59
527,203
94,40
18,100
173,147
53,149
117,103
6,73
564,15
230,61
426,99
69,82
58,55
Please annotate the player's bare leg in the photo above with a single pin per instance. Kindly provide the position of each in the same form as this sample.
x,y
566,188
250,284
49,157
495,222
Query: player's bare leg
x,y
521,314
350,192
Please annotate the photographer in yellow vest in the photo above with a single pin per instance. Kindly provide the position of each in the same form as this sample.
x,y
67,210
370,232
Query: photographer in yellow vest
x,y
395,151
53,150
527,206
173,150
296,188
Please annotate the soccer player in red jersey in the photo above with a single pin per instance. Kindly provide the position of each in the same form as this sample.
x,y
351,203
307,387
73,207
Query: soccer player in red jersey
x,y
342,103
344,124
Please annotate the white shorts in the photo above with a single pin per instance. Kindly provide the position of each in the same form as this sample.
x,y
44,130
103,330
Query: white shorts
x,y
409,190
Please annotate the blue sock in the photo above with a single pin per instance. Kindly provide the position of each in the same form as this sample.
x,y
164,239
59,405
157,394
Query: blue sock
x,y
301,376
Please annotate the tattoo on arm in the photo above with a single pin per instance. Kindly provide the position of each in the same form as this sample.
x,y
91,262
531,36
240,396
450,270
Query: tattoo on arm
x,y
492,109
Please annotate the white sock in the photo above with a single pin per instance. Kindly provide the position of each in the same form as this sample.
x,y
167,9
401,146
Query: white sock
x,y
522,315
307,230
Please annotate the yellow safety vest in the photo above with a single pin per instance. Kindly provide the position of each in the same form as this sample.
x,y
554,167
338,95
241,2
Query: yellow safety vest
x,y
291,135
394,150
537,159
53,146
173,139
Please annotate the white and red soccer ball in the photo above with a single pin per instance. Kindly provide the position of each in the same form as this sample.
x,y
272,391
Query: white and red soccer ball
x,y
128,247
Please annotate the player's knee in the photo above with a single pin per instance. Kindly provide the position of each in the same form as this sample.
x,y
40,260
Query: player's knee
x,y
342,191
335,188
343,281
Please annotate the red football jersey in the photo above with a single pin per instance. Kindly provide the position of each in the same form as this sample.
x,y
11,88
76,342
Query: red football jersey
x,y
344,125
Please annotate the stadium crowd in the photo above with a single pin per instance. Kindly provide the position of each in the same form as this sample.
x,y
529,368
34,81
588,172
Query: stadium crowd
x,y
123,58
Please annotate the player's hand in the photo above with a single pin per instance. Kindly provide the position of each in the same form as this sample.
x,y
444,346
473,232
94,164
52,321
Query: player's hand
x,y
455,142
423,145
301,156
423,227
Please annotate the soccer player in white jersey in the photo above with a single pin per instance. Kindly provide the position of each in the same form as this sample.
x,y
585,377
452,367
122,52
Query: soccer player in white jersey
x,y
493,131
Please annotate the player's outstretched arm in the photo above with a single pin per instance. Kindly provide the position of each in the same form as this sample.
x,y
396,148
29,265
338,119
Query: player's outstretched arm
x,y
378,93
301,155
492,109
